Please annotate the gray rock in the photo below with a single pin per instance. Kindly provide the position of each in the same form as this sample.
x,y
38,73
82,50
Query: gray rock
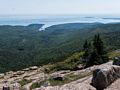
x,y
26,69
77,86
34,68
59,77
20,72
116,61
2,75
15,86
103,77
6,87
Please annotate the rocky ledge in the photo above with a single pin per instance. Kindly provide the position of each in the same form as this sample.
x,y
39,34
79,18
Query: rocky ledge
x,y
105,76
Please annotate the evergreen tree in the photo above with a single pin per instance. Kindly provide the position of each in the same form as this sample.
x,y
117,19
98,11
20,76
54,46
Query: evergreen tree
x,y
98,54
87,50
85,46
94,58
99,46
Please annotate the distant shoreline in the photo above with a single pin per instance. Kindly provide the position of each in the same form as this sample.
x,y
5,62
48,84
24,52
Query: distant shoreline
x,y
51,20
112,18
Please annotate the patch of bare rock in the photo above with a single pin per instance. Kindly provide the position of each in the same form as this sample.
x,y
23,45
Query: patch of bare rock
x,y
103,77
79,86
114,86
98,77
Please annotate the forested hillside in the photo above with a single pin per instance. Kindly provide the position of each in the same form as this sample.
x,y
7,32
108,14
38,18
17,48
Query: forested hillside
x,y
24,46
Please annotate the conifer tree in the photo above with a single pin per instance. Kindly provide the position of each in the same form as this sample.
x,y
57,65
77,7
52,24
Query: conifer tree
x,y
94,58
86,49
85,46
96,55
99,46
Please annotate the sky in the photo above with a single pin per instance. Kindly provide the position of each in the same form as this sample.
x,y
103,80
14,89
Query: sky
x,y
41,7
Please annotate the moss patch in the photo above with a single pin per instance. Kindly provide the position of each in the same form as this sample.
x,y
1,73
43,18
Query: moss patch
x,y
113,54
68,78
68,64
24,82
37,84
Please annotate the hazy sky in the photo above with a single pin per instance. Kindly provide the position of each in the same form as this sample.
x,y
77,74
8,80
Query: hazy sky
x,y
37,7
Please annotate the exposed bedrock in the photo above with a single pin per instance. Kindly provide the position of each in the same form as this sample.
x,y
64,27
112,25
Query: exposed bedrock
x,y
104,76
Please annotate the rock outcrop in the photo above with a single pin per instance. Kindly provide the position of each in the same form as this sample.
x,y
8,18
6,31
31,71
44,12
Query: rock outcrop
x,y
116,61
13,86
59,75
114,86
103,77
81,84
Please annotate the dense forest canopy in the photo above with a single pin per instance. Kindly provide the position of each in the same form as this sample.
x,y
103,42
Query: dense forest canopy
x,y
24,46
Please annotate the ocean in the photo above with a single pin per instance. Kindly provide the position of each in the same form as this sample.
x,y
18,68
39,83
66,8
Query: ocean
x,y
49,20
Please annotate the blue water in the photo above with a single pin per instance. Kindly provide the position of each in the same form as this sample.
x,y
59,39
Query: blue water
x,y
55,19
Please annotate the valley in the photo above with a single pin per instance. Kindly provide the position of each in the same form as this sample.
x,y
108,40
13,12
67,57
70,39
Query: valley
x,y
51,59
25,46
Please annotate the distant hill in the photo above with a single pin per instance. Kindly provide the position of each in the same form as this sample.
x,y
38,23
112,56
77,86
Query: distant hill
x,y
24,46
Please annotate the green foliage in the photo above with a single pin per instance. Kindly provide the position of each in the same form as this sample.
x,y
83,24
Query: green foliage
x,y
114,54
68,78
56,82
94,59
25,46
85,46
24,82
37,84
116,61
98,55
98,45
87,50
100,49
68,64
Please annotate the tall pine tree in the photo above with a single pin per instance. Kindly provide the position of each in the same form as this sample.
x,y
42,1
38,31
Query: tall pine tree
x,y
97,54
99,46
87,50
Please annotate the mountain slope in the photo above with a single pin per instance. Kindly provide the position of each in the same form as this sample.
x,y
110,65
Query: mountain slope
x,y
24,46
